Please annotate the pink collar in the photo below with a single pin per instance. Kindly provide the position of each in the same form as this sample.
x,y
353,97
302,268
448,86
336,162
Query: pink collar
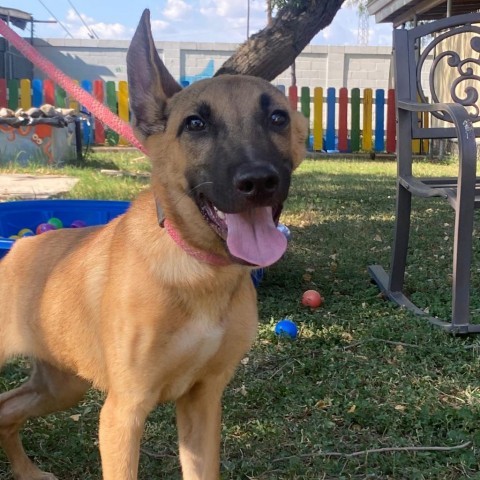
x,y
200,255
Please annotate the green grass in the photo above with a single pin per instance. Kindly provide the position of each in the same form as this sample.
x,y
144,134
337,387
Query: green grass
x,y
361,375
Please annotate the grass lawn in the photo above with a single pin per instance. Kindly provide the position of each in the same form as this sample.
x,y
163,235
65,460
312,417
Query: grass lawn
x,y
362,374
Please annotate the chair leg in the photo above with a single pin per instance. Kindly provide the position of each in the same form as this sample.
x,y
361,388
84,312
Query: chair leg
x,y
462,258
400,239
392,285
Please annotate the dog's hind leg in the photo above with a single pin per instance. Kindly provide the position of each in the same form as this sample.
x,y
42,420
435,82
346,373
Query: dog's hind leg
x,y
47,390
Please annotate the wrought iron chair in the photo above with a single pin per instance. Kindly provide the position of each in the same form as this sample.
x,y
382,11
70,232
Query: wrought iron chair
x,y
415,83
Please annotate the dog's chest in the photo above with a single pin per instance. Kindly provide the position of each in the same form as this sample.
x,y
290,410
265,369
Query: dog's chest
x,y
190,351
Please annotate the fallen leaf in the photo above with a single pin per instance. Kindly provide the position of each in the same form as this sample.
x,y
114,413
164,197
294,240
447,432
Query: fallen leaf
x,y
322,404
75,417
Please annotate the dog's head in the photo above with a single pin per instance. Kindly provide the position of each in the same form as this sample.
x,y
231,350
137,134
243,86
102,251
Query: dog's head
x,y
223,150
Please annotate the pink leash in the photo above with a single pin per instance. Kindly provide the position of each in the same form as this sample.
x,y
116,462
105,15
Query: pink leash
x,y
101,111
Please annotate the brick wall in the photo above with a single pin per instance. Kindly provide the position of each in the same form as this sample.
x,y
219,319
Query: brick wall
x,y
316,66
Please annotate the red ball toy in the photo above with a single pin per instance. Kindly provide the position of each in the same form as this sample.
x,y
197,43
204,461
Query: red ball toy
x,y
44,227
311,298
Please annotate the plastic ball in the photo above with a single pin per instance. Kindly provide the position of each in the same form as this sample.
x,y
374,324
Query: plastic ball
x,y
13,237
78,224
45,227
25,232
56,222
285,230
257,276
286,328
311,298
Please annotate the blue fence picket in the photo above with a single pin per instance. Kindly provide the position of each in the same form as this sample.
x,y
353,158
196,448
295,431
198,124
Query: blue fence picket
x,y
330,133
37,92
379,120
88,136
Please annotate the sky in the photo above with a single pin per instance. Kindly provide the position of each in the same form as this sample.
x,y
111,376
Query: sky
x,y
179,20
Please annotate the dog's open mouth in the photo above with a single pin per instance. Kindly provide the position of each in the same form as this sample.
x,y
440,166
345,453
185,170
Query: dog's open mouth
x,y
251,236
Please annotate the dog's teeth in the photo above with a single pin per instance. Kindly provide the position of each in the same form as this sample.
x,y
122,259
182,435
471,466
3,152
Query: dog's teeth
x,y
221,215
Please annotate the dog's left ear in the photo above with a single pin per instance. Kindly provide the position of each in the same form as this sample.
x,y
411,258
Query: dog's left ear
x,y
149,82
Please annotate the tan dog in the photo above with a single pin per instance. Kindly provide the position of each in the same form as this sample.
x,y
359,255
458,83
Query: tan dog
x,y
153,313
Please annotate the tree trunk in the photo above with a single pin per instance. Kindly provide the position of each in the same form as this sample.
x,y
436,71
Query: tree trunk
x,y
271,51
269,13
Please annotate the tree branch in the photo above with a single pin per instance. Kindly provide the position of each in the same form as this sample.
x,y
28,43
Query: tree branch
x,y
269,52
374,450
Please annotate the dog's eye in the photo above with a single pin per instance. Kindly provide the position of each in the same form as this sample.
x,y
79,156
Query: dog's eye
x,y
279,118
194,124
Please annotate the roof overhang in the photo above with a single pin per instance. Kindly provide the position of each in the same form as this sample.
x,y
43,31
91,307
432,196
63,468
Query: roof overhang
x,y
15,17
401,11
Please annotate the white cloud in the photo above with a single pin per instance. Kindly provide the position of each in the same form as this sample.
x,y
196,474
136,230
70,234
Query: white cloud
x,y
77,28
112,31
232,8
159,25
176,9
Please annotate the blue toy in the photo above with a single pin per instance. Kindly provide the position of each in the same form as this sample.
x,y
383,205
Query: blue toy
x,y
257,276
285,230
286,328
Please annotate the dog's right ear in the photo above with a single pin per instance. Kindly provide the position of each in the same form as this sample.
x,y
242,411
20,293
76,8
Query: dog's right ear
x,y
149,82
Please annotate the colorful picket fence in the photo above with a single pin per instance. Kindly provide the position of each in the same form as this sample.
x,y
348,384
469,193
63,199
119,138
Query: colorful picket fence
x,y
341,121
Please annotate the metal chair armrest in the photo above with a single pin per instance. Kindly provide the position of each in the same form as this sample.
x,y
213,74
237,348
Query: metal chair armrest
x,y
467,146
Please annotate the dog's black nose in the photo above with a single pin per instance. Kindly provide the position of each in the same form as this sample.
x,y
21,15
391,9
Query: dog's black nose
x,y
257,182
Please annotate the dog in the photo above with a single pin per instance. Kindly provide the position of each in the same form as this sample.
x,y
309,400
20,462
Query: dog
x,y
157,305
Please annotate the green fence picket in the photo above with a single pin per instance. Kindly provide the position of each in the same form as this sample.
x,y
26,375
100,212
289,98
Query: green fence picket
x,y
13,93
111,97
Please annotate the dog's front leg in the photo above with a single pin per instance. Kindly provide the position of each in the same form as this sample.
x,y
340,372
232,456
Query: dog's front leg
x,y
122,421
198,420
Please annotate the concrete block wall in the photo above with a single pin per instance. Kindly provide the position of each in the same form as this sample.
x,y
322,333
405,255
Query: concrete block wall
x,y
316,66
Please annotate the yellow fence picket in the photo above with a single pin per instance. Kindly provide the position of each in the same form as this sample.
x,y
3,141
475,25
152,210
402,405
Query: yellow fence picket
x,y
25,94
367,144
318,119
123,109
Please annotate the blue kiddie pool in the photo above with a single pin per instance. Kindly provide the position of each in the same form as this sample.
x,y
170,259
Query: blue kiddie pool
x,y
15,216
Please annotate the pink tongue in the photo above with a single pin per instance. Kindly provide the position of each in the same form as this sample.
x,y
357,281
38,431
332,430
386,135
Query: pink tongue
x,y
253,237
